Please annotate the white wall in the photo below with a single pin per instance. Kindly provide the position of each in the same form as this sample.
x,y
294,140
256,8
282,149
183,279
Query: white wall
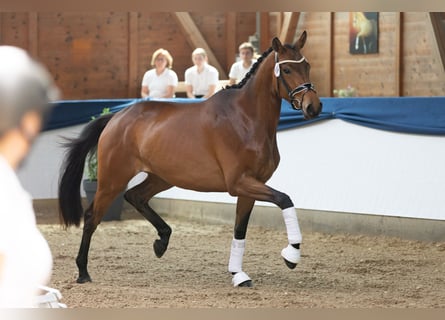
x,y
330,165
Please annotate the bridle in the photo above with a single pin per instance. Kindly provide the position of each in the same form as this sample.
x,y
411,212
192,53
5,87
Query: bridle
x,y
302,88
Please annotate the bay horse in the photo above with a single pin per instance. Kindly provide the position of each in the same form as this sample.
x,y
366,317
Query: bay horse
x,y
226,143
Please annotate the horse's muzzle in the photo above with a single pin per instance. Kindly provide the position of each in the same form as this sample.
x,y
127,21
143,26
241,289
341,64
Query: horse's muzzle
x,y
312,110
309,102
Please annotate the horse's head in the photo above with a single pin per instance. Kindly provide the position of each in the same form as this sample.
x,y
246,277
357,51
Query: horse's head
x,y
292,73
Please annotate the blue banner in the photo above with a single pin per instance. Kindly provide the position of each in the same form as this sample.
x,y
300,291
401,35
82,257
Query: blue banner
x,y
420,115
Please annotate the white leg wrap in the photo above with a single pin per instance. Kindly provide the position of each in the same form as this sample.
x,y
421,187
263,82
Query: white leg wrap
x,y
292,226
239,278
291,254
236,255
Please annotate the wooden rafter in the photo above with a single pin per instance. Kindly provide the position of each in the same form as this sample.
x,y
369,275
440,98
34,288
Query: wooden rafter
x,y
196,40
438,24
290,22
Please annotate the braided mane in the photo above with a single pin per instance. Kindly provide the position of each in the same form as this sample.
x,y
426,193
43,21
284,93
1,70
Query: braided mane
x,y
255,67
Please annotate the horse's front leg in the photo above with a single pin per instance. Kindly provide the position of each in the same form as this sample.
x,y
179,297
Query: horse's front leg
x,y
291,254
243,209
254,189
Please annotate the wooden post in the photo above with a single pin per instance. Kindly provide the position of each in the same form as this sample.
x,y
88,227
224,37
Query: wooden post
x,y
1,33
399,55
331,54
133,55
264,31
33,34
231,45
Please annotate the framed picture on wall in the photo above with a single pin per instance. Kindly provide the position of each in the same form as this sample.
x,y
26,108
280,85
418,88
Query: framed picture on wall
x,y
363,32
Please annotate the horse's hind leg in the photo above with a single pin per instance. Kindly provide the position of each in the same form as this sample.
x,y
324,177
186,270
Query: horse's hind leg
x,y
243,209
139,196
93,215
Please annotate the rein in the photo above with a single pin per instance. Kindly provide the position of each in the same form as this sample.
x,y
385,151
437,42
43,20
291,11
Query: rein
x,y
303,88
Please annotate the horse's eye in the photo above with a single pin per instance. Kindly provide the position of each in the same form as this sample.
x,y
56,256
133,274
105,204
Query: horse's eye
x,y
286,70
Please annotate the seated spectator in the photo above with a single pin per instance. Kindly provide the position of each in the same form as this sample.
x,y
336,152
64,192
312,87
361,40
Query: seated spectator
x,y
201,79
161,81
241,67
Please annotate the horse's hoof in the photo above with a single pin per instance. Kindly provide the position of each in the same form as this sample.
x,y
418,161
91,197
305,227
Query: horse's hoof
x,y
83,279
159,248
289,264
241,279
246,284
291,256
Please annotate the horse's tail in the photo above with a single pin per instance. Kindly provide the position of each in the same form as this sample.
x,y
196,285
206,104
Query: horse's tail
x,y
70,204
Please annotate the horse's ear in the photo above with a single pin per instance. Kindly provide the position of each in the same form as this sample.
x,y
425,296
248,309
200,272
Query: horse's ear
x,y
276,44
300,42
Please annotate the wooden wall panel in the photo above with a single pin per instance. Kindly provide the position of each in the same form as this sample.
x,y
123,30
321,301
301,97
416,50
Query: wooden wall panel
x,y
87,53
423,75
213,29
160,30
14,29
371,74
316,49
245,26
105,54
375,74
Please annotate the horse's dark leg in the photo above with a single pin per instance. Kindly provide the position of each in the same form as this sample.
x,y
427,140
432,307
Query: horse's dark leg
x,y
139,196
82,256
243,209
92,218
250,187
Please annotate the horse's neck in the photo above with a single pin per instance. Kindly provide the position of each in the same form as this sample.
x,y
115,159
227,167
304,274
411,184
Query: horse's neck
x,y
264,104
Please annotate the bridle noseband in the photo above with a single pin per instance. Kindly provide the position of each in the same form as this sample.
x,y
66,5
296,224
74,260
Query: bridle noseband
x,y
302,88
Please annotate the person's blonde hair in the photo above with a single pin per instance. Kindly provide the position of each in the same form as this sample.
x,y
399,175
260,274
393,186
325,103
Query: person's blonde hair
x,y
246,45
200,51
166,54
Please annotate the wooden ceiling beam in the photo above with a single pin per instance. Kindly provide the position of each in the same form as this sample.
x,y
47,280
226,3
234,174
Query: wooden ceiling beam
x,y
196,40
290,22
438,24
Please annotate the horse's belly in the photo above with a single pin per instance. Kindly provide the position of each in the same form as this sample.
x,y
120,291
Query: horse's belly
x,y
198,176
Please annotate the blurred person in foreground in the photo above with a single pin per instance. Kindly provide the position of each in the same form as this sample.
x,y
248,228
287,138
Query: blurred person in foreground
x,y
26,93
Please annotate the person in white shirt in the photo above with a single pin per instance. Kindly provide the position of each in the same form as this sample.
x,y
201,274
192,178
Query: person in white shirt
x,y
241,67
201,79
161,81
26,90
